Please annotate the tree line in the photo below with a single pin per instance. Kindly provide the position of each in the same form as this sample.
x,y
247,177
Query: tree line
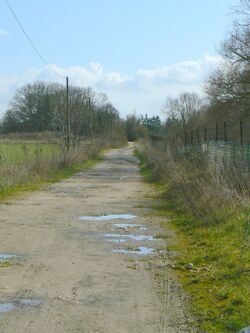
x,y
41,106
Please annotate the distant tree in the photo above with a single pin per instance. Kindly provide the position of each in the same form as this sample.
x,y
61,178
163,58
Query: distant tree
x,y
42,106
30,108
134,127
153,124
183,110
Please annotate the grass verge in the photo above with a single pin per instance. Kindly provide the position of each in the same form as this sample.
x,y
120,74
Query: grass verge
x,y
22,176
212,262
56,176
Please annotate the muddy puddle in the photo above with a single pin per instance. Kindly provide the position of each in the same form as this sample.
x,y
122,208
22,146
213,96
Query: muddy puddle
x,y
6,307
125,237
140,250
23,302
8,257
107,217
118,240
30,302
127,226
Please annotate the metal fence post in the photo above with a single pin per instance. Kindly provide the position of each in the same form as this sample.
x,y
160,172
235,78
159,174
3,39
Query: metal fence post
x,y
225,131
198,136
241,132
216,132
248,156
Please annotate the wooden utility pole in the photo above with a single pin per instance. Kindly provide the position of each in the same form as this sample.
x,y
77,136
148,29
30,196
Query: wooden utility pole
x,y
111,122
67,115
91,120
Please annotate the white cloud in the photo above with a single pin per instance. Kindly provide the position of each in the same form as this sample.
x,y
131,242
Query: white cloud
x,y
3,32
144,91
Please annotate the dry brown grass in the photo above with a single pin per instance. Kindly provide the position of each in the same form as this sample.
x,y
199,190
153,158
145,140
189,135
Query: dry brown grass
x,y
206,202
202,188
13,176
44,137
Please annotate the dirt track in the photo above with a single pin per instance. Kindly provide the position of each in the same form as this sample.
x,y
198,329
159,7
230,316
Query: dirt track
x,y
68,263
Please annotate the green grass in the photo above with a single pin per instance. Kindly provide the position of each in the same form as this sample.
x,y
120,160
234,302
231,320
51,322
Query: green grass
x,y
27,166
6,264
16,155
16,152
219,284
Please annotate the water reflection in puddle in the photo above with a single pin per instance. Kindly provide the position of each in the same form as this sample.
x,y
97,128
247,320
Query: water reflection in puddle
x,y
30,302
24,302
108,217
114,240
133,237
6,307
127,226
141,250
5,257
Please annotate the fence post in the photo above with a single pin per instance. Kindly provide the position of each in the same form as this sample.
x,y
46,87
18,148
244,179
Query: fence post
x,y
234,152
248,156
241,132
191,137
216,132
198,136
225,131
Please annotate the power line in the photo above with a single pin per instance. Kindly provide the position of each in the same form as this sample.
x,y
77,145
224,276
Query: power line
x,y
31,43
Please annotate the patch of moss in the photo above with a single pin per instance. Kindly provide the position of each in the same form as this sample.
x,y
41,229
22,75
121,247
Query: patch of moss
x,y
6,264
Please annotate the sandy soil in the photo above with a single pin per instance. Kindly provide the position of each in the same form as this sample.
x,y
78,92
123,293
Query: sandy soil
x,y
68,263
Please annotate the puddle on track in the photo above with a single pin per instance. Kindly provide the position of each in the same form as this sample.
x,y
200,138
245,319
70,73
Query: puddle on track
x,y
114,240
6,307
108,217
141,250
30,302
6,257
127,226
133,237
24,302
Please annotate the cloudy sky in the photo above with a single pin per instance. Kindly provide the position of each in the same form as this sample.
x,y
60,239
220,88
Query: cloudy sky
x,y
136,51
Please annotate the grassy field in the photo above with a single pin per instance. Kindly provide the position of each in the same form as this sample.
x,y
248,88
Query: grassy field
x,y
212,261
19,152
28,165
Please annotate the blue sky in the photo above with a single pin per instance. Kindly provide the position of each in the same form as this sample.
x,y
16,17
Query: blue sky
x,y
138,52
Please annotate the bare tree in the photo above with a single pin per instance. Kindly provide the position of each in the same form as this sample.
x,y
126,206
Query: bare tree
x,y
231,81
183,109
41,106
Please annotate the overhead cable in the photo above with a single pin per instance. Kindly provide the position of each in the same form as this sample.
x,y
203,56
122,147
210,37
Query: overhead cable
x,y
31,42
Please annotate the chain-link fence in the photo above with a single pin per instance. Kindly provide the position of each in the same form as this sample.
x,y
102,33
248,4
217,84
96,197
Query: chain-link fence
x,y
225,141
